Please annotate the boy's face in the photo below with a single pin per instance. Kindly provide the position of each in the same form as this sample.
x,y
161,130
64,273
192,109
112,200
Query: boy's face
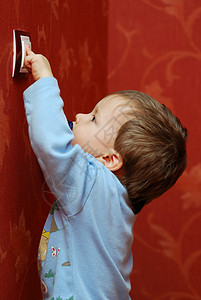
x,y
96,132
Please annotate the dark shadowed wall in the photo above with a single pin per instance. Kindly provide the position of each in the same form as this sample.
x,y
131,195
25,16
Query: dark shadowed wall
x,y
155,47
73,35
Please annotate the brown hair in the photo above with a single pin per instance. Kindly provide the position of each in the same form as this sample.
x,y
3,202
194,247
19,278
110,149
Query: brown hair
x,y
152,144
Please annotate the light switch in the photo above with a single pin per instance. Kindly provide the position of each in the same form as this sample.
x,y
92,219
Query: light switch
x,y
20,40
24,41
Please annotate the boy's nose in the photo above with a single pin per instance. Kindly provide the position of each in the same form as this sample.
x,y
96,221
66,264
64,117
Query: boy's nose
x,y
78,117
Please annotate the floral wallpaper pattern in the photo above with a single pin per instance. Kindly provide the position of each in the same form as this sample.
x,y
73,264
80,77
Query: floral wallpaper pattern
x,y
158,50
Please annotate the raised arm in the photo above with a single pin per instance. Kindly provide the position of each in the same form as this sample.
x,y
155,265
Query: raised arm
x,y
68,170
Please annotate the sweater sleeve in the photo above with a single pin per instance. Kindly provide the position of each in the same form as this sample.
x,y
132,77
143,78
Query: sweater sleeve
x,y
68,170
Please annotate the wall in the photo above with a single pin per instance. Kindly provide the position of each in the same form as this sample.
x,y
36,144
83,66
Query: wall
x,y
73,35
155,47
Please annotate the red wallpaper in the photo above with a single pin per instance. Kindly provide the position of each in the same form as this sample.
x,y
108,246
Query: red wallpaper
x,y
155,47
73,35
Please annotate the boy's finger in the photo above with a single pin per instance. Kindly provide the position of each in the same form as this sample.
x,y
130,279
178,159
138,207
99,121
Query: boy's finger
x,y
28,61
28,50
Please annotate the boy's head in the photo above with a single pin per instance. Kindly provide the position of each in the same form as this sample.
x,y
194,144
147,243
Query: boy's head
x,y
132,133
96,132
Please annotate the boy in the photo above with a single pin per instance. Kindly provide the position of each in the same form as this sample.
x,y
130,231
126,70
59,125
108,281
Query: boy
x,y
129,150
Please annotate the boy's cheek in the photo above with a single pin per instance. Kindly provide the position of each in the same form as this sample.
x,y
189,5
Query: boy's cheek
x,y
89,141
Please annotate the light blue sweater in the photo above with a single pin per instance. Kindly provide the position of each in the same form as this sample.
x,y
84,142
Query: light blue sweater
x,y
85,248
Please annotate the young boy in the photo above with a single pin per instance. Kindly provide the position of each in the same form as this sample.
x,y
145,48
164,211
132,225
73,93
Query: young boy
x,y
129,150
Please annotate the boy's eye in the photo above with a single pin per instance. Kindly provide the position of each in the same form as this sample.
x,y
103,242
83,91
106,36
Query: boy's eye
x,y
93,119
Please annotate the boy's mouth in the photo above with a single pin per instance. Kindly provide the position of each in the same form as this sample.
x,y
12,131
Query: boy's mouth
x,y
70,124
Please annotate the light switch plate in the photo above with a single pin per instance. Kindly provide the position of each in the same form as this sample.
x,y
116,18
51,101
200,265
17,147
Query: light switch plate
x,y
20,39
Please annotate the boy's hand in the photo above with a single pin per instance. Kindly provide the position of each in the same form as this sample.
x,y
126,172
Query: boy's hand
x,y
37,64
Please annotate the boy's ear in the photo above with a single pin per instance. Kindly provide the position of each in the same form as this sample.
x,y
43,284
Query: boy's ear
x,y
112,161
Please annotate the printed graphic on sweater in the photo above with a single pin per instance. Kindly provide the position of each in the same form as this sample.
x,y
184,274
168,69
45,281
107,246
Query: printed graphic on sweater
x,y
52,225
45,234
